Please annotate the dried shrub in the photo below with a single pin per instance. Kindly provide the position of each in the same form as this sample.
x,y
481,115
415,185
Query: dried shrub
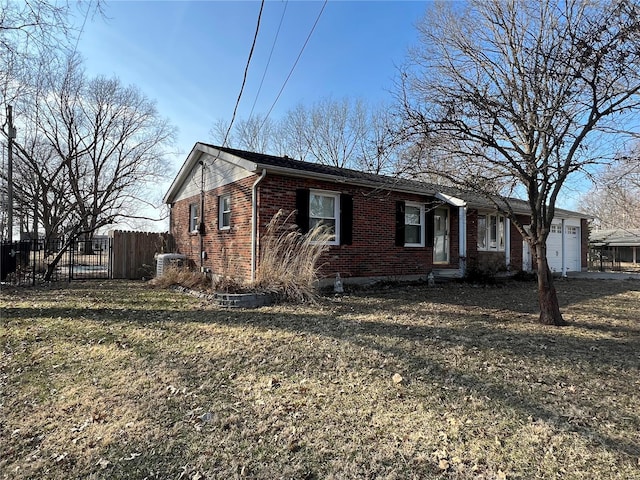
x,y
289,260
183,276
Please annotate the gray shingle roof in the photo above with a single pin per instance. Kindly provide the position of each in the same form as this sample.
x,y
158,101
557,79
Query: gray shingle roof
x,y
473,199
615,238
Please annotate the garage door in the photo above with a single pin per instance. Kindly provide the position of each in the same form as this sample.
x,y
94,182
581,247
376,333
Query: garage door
x,y
572,248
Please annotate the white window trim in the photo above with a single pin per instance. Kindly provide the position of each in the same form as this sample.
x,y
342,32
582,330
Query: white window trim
x,y
336,211
488,247
422,224
194,220
221,212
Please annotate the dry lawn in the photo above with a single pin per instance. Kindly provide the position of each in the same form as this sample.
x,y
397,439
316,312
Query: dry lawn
x,y
118,380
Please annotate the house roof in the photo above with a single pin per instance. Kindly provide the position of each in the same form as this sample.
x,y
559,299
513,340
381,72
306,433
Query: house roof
x,y
284,165
615,238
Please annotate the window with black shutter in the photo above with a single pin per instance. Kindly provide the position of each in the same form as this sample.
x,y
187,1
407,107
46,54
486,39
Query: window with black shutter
x,y
400,206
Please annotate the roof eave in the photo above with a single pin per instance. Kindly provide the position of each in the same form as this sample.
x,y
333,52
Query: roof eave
x,y
198,150
292,172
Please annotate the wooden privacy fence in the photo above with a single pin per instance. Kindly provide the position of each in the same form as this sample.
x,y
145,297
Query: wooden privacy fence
x,y
133,253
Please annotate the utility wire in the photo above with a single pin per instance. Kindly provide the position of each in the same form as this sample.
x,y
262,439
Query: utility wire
x,y
269,59
295,63
244,79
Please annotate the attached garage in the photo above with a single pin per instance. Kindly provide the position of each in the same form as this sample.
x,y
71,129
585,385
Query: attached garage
x,y
564,247
564,243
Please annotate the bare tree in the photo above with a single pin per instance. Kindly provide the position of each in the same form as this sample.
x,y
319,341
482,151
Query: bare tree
x,y
256,134
380,148
524,94
335,131
43,192
108,143
31,28
614,199
293,138
33,34
345,133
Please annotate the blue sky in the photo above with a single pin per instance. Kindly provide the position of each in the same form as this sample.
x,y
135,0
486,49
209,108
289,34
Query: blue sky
x,y
190,55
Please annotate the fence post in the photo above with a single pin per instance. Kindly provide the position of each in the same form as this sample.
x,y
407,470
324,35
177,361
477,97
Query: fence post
x,y
110,259
71,260
34,255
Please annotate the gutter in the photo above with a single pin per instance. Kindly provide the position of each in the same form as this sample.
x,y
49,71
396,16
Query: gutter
x,y
254,222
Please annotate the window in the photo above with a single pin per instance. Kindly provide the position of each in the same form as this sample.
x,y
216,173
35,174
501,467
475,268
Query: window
x,y
482,232
335,210
491,233
571,230
324,210
194,217
414,225
555,228
224,212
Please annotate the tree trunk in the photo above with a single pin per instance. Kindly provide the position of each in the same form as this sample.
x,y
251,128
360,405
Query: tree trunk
x,y
547,295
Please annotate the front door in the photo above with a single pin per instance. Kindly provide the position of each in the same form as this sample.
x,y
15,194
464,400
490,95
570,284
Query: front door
x,y
441,235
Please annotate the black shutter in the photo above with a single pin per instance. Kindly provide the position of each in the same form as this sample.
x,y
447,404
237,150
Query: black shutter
x,y
302,206
430,230
399,224
346,219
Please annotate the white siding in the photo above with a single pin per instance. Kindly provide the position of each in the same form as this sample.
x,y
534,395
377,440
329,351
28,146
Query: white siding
x,y
217,173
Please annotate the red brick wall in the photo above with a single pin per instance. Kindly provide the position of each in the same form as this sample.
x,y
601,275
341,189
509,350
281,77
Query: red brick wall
x,y
372,253
516,243
228,252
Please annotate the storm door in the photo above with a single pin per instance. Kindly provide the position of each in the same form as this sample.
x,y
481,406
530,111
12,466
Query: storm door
x,y
441,235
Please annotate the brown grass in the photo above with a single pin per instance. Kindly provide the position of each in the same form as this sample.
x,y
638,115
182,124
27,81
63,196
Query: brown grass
x,y
183,276
288,265
116,380
289,260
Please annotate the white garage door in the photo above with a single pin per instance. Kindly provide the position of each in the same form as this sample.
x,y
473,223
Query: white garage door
x,y
572,248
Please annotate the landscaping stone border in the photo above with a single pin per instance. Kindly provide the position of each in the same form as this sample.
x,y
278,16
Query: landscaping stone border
x,y
233,300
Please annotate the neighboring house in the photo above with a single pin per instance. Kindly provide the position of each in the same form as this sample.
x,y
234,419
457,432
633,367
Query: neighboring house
x,y
623,245
383,227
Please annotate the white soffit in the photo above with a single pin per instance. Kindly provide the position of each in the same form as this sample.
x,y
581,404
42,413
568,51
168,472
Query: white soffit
x,y
456,202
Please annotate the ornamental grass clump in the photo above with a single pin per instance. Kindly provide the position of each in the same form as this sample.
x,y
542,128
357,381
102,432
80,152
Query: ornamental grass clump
x,y
289,259
182,276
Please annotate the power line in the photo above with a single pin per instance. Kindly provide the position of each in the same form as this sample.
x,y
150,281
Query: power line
x,y
244,79
295,63
269,59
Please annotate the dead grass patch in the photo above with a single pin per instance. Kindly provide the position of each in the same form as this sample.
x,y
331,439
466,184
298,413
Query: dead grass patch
x,y
117,380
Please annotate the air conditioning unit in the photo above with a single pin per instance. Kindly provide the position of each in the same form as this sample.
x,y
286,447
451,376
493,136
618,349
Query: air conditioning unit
x,y
165,260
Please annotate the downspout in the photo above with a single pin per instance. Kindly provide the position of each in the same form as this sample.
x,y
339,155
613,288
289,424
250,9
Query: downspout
x,y
462,240
564,259
254,223
201,222
507,243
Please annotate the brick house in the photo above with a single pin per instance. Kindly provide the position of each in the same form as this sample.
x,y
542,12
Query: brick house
x,y
222,199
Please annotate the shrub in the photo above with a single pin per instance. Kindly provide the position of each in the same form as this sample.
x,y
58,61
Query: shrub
x,y
183,276
289,260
